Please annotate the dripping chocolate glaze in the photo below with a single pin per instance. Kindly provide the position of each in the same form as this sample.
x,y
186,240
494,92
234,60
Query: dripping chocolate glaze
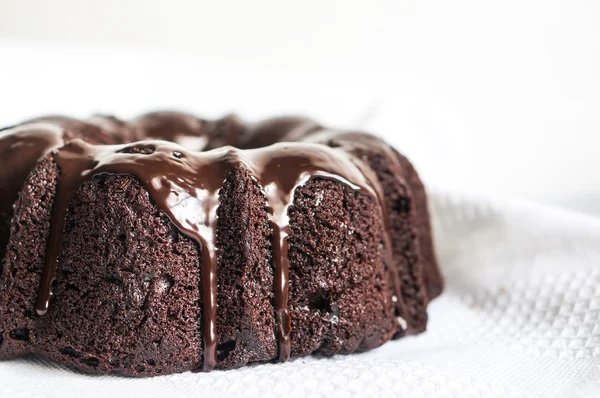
x,y
185,186
20,150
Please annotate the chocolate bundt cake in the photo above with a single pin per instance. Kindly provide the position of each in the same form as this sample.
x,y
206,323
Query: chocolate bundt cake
x,y
171,243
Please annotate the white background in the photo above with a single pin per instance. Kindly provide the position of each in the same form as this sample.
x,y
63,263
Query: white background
x,y
495,97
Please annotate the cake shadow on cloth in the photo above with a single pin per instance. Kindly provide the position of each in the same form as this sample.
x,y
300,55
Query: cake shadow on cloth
x,y
171,243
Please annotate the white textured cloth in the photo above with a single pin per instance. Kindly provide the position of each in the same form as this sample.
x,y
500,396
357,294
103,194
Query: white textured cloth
x,y
520,316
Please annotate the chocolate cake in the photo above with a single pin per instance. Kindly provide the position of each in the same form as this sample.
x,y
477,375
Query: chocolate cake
x,y
171,243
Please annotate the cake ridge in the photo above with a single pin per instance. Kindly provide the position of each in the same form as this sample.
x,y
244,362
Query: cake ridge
x,y
357,142
397,298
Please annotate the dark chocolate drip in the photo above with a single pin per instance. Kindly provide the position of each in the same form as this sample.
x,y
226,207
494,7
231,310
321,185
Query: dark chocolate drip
x,y
20,150
185,186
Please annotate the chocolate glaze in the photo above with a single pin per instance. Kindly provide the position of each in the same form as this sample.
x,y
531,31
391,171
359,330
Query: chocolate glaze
x,y
20,150
185,184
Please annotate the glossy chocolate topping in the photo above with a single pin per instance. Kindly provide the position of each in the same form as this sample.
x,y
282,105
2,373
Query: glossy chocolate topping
x,y
184,183
185,186
20,150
